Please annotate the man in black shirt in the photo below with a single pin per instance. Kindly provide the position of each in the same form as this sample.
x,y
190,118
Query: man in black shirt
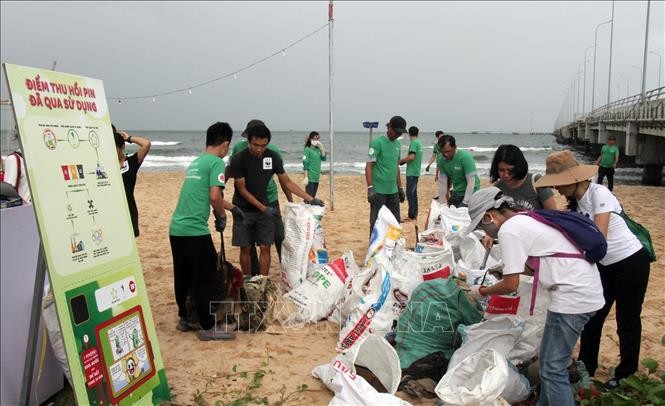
x,y
252,169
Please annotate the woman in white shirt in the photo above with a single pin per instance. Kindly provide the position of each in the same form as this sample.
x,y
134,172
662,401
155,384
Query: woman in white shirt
x,y
624,271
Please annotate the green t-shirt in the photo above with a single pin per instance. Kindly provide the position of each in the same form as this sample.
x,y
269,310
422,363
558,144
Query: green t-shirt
x,y
413,167
439,157
271,190
385,155
457,168
311,162
190,218
607,155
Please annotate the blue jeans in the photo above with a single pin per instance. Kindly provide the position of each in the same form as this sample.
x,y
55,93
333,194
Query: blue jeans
x,y
559,337
412,196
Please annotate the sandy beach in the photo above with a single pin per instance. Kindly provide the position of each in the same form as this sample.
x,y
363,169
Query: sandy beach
x,y
274,364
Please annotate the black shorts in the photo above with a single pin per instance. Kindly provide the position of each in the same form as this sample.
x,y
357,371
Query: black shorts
x,y
257,228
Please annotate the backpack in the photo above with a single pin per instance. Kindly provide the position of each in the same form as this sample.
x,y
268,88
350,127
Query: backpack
x,y
581,231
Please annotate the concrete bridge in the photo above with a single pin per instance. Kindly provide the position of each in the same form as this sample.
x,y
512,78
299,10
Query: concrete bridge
x,y
637,122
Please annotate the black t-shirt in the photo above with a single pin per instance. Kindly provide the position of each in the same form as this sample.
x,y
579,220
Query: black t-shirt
x,y
257,172
129,169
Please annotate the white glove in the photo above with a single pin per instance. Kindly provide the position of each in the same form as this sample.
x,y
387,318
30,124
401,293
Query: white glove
x,y
475,292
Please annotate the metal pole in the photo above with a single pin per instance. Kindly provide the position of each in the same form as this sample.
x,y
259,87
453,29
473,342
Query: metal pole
x,y
31,347
584,87
595,48
646,47
609,73
659,66
579,72
331,104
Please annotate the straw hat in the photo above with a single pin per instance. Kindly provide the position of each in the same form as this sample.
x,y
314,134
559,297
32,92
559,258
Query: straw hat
x,y
563,169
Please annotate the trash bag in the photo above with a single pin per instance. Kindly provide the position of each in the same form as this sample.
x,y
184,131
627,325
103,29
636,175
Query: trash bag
x,y
429,323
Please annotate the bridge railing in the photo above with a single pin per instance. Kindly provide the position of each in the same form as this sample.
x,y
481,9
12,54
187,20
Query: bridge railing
x,y
647,109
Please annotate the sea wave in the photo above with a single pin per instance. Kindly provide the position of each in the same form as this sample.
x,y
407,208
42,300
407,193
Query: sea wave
x,y
164,143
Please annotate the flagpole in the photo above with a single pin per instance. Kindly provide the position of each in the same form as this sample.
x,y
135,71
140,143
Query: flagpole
x,y
331,128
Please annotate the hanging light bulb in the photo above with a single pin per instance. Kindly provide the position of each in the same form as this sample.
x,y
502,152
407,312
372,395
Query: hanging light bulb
x,y
189,91
235,76
283,52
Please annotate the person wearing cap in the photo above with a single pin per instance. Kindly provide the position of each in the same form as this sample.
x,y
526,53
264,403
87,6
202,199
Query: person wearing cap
x,y
624,271
384,184
460,167
574,283
607,162
273,199
129,168
252,169
413,161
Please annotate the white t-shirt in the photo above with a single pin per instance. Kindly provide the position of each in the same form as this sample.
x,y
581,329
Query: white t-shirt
x,y
10,167
621,242
574,283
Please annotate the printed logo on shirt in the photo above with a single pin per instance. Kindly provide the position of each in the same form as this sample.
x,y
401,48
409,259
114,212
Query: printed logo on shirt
x,y
124,168
221,178
267,163
371,152
304,157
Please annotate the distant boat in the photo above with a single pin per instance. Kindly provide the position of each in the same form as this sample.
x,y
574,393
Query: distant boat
x,y
474,132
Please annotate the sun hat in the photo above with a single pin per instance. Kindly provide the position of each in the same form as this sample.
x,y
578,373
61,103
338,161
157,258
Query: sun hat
x,y
563,169
489,198
398,124
251,124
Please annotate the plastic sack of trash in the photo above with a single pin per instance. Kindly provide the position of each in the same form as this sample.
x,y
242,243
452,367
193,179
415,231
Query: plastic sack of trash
x,y
499,334
304,244
431,240
317,295
403,280
429,323
482,378
528,344
429,265
374,355
385,234
360,320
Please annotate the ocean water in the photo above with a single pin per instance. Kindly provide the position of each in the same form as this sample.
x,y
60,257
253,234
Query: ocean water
x,y
174,150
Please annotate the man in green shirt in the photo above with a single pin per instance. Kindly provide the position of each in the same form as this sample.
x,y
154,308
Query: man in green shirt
x,y
273,199
460,167
194,255
607,161
413,161
384,184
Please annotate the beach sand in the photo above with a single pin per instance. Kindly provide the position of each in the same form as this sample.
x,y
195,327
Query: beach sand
x,y
213,371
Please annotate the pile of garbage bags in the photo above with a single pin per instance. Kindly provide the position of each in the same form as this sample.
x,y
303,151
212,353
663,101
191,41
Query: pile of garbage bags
x,y
405,315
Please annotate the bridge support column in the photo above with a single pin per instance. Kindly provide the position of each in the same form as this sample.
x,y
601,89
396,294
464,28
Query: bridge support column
x,y
631,138
602,133
653,159
587,132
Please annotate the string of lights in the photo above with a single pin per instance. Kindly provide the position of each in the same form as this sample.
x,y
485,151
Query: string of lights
x,y
233,74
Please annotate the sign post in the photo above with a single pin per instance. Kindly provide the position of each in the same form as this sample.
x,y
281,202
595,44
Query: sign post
x,y
370,125
87,237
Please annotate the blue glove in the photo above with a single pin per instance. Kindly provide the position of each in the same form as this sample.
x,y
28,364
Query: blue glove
x,y
271,212
316,202
402,195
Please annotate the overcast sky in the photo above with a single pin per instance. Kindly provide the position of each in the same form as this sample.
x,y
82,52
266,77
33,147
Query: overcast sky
x,y
457,66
